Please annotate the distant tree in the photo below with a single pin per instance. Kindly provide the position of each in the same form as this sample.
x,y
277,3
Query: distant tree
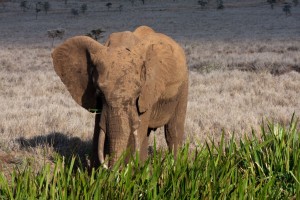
x,y
2,2
56,33
83,8
296,2
121,8
202,3
220,4
287,9
38,9
23,5
74,12
108,5
46,7
132,2
96,34
271,2
143,2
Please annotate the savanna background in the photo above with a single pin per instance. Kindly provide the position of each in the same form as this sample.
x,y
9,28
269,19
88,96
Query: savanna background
x,y
244,63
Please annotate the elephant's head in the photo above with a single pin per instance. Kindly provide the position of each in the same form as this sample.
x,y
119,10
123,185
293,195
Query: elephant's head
x,y
118,82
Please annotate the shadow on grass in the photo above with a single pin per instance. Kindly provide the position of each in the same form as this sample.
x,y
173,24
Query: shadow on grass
x,y
62,144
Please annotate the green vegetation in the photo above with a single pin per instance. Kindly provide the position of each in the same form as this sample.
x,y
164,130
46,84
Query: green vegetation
x,y
265,167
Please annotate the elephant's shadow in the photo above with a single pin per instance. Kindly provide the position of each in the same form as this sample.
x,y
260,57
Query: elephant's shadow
x,y
62,144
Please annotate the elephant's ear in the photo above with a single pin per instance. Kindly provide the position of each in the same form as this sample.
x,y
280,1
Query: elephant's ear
x,y
159,61
74,62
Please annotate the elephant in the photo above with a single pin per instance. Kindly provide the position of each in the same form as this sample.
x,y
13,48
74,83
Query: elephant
x,y
137,82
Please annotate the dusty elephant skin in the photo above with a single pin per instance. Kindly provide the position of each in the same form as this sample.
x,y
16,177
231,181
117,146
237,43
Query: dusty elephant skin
x,y
139,82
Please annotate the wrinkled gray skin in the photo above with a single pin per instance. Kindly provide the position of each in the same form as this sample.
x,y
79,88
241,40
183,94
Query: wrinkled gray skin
x,y
139,82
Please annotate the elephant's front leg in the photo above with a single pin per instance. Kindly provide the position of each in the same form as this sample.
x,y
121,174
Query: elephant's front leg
x,y
143,138
95,162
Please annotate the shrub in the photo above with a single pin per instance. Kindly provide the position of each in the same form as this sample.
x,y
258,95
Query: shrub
x,y
74,12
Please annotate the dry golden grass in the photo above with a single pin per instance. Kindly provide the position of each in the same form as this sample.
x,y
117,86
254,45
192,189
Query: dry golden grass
x,y
235,83
271,56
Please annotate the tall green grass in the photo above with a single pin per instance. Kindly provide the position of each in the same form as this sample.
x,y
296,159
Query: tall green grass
x,y
265,167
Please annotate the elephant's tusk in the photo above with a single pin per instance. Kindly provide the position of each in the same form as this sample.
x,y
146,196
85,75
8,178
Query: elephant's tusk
x,y
136,141
101,147
104,166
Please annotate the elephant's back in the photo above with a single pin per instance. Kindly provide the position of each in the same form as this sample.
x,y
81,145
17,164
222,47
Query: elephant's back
x,y
162,39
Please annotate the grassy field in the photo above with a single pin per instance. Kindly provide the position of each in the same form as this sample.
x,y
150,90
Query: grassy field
x,y
258,168
244,68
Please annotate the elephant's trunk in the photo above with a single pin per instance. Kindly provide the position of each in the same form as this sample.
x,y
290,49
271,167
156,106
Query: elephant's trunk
x,y
118,137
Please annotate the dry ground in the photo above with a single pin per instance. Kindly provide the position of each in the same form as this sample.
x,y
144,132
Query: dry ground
x,y
244,67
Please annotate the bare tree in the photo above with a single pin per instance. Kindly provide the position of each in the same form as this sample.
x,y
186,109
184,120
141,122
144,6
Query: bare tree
x,y
287,9
46,7
96,34
56,33
38,9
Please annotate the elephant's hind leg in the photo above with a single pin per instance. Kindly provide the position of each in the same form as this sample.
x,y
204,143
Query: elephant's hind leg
x,y
174,129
